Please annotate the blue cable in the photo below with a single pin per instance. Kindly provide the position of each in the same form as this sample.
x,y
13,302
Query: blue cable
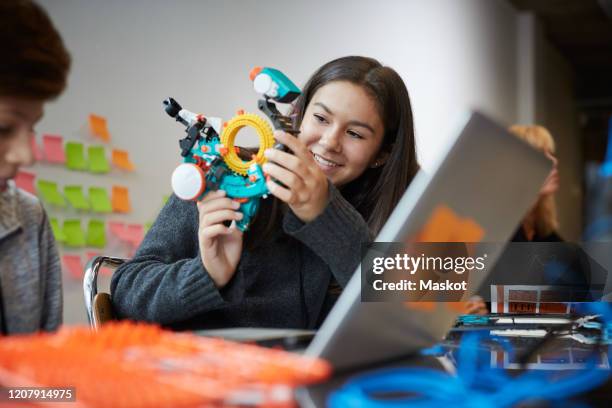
x,y
473,386
606,168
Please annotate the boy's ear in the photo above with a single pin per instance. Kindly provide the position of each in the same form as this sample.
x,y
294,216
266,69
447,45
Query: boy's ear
x,y
381,159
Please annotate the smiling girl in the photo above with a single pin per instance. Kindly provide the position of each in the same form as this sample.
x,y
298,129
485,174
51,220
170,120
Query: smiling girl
x,y
350,164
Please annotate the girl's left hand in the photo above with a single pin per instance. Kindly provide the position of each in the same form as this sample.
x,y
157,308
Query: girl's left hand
x,y
305,187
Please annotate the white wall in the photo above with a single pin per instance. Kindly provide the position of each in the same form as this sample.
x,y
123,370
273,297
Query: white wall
x,y
128,56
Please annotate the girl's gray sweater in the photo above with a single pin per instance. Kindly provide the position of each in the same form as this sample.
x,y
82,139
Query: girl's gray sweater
x,y
283,284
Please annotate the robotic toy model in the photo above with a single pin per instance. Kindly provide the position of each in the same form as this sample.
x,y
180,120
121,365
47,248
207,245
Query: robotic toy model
x,y
210,159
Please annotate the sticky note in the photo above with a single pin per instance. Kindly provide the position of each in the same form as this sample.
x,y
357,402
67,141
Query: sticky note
x,y
120,199
121,159
75,156
97,126
97,160
74,233
53,148
96,234
147,226
76,198
98,197
73,265
36,149
49,193
25,181
57,230
117,229
134,233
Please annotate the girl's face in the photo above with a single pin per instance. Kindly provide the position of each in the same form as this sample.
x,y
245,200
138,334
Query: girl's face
x,y
343,130
17,119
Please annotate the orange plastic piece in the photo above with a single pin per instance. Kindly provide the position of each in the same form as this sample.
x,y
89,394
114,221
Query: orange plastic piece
x,y
236,149
444,225
127,364
254,72
253,178
241,200
204,149
240,112
223,151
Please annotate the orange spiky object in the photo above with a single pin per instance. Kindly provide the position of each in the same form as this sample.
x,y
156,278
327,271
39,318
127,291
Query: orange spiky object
x,y
128,364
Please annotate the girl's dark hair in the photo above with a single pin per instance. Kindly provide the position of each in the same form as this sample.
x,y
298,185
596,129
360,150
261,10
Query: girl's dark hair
x,y
376,192
35,62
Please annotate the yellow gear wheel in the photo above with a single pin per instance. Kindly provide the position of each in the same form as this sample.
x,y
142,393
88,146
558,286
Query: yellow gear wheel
x,y
233,126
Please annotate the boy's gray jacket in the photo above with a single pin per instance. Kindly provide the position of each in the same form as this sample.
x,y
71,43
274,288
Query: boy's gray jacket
x,y
30,272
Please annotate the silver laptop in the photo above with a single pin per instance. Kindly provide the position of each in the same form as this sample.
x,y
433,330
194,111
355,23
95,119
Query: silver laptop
x,y
484,174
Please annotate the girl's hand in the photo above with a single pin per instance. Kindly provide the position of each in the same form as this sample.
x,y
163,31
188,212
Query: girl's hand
x,y
220,246
305,185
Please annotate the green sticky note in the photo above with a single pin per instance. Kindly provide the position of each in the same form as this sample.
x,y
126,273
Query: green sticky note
x,y
50,194
57,231
74,233
75,156
96,234
97,160
76,198
100,202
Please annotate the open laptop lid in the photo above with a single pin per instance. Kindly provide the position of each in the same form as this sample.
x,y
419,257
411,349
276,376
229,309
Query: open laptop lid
x,y
486,175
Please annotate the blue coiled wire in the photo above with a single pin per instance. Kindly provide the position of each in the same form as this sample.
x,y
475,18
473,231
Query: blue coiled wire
x,y
477,386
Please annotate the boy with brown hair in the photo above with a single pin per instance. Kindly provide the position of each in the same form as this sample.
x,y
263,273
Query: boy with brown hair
x,y
33,68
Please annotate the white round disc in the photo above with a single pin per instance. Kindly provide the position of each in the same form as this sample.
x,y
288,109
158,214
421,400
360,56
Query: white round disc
x,y
263,83
188,181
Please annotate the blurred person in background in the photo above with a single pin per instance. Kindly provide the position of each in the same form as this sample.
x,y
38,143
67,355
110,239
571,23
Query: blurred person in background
x,y
541,223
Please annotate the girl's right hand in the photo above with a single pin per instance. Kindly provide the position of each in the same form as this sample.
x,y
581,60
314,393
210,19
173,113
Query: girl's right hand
x,y
220,246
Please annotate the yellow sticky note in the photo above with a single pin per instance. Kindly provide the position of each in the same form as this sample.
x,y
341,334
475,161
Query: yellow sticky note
x,y
120,199
97,126
121,159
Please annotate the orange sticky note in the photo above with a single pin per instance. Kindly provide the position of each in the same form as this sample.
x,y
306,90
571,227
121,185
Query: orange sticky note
x,y
36,149
97,125
53,148
25,181
73,265
134,233
121,159
120,199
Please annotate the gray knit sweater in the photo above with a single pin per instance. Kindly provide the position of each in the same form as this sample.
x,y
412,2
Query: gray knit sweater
x,y
283,284
30,272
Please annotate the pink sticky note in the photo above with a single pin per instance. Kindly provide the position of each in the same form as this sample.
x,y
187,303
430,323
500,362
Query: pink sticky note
x,y
134,234
117,229
25,181
53,147
74,266
36,149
